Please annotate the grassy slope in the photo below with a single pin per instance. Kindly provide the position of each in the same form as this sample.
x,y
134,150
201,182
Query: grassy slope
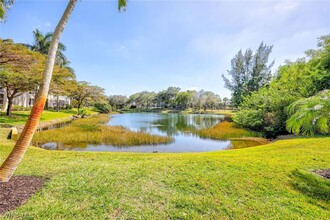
x,y
20,117
269,181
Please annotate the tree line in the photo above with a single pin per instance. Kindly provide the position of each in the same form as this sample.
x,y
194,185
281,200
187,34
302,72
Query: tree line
x,y
171,98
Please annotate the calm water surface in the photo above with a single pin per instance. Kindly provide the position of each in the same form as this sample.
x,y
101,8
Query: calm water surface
x,y
177,126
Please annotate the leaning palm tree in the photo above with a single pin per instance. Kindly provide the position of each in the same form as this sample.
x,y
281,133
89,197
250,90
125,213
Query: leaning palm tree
x,y
15,157
310,115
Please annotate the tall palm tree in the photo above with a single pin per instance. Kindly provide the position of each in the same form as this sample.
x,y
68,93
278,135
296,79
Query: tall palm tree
x,y
15,157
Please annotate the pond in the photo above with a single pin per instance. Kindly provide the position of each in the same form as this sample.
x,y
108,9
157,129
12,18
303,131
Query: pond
x,y
178,126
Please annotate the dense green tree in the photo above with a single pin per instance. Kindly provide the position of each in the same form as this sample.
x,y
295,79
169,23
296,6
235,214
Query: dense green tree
x,y
211,100
85,94
249,72
142,99
320,64
182,100
20,70
167,97
117,101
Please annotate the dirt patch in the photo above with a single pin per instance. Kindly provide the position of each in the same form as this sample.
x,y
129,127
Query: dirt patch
x,y
323,173
17,191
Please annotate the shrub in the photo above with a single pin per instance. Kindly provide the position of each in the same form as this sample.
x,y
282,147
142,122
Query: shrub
x,y
82,112
102,107
310,115
249,118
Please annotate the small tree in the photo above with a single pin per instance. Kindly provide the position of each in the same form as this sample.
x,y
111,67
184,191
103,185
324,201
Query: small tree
x,y
85,93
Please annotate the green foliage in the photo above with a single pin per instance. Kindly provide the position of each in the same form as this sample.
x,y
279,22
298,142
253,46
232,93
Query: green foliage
x,y
102,107
85,94
249,118
295,80
117,101
310,115
20,69
249,72
4,5
82,112
142,99
182,100
166,97
42,44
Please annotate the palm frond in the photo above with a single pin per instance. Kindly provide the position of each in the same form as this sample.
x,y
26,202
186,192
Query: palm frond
x,y
310,115
122,5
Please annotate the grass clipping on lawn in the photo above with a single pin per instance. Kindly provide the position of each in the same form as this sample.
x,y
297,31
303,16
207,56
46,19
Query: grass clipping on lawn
x,y
94,131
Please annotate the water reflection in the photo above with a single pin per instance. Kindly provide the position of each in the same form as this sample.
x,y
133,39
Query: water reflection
x,y
178,126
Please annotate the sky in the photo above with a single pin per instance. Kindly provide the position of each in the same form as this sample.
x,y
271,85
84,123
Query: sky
x,y
156,44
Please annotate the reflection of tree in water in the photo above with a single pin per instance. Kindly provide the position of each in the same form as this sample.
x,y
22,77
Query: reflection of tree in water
x,y
176,123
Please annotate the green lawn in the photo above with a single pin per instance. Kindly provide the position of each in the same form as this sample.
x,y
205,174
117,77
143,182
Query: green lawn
x,y
267,182
20,117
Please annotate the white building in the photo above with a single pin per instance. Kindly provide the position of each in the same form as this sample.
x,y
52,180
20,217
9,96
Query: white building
x,y
27,99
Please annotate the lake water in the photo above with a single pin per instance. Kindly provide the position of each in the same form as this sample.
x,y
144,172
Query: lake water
x,y
177,126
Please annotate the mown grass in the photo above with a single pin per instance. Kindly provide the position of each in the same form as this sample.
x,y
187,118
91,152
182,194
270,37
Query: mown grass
x,y
20,117
92,130
272,181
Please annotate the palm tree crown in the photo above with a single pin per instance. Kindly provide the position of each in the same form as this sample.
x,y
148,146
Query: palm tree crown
x,y
42,44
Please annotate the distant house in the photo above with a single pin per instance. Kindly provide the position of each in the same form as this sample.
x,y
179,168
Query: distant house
x,y
27,99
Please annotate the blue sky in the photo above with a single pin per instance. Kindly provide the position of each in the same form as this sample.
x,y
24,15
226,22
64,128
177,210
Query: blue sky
x,y
156,44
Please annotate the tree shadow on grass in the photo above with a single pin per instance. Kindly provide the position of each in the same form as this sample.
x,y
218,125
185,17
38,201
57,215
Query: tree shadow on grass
x,y
311,185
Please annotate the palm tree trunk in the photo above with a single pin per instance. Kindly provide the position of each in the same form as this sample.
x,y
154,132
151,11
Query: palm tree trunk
x,y
10,165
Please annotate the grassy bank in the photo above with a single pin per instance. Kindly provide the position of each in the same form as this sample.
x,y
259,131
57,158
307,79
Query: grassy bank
x,y
93,131
240,138
20,117
266,182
